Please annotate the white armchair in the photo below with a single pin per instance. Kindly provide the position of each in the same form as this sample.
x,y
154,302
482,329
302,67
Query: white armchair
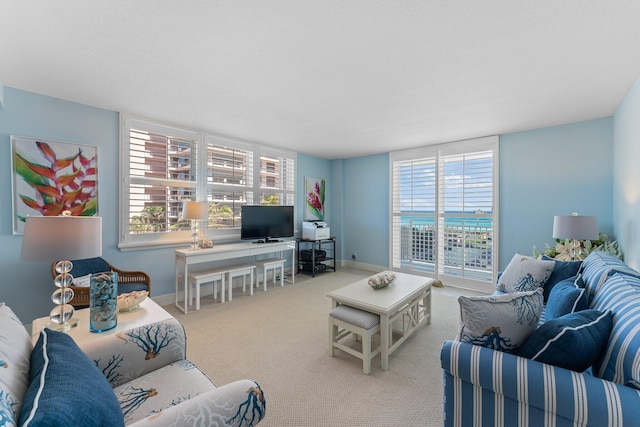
x,y
145,368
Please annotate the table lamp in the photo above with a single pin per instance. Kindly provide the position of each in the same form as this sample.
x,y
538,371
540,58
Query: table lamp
x,y
50,238
194,211
577,228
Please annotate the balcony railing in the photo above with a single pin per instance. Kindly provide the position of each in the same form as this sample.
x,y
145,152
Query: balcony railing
x,y
467,248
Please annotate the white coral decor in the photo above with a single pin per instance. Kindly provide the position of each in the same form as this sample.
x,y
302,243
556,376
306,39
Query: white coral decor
x,y
381,280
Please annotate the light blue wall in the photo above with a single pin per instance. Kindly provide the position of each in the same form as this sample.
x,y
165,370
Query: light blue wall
x,y
366,209
553,171
314,167
27,287
543,173
626,175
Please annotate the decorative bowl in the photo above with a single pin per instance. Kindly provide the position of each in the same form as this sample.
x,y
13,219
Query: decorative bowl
x,y
131,300
381,280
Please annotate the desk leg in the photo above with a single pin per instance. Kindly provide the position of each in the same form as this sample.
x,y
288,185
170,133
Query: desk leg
x,y
385,332
294,266
181,267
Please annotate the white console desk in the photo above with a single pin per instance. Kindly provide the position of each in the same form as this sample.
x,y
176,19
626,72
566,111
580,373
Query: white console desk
x,y
187,257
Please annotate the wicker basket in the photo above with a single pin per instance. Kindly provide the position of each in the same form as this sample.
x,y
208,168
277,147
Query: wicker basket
x,y
81,294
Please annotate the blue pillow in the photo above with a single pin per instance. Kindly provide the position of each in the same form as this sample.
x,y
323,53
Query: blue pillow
x,y
574,341
67,388
561,270
566,297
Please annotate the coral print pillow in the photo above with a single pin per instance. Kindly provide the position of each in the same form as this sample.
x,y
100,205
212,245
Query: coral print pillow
x,y
525,273
500,322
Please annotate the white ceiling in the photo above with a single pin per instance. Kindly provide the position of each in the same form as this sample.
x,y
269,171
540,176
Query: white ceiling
x,y
330,78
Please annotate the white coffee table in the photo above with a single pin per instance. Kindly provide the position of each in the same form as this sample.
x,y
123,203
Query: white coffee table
x,y
407,299
147,312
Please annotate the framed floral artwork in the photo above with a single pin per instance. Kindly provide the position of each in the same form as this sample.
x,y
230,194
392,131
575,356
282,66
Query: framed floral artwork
x,y
314,199
50,177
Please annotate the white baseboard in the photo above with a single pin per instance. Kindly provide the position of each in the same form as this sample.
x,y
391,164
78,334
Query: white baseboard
x,y
363,266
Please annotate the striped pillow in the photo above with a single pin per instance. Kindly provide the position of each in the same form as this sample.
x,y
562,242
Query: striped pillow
x,y
620,362
598,267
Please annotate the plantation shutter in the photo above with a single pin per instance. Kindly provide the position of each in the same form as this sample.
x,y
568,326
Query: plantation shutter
x,y
162,166
276,177
444,211
414,201
230,181
162,172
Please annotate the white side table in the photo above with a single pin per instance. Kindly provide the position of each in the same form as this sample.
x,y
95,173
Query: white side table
x,y
148,312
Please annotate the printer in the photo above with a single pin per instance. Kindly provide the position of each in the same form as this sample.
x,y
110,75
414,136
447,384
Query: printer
x,y
315,230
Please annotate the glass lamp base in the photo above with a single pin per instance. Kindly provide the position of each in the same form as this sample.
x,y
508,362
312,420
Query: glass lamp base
x,y
69,324
575,250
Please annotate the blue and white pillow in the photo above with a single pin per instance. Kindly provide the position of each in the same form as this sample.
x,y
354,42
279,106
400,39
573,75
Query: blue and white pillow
x,y
574,341
524,273
14,365
567,296
501,322
67,388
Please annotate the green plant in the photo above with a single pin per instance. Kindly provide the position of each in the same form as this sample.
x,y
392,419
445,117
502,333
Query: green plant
x,y
218,214
560,250
151,219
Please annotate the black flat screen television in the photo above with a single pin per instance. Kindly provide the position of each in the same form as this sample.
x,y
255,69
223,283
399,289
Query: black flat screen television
x,y
265,223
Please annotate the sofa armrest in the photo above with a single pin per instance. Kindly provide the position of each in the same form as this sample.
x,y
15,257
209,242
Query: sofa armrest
x,y
500,388
130,354
240,403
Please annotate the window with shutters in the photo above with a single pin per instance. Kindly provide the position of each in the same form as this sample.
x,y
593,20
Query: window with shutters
x,y
162,166
444,211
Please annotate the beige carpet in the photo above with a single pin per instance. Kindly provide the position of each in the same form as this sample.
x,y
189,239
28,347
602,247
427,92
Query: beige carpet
x,y
279,338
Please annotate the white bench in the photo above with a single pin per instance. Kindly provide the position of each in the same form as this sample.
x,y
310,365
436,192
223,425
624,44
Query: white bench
x,y
271,264
241,270
344,320
199,278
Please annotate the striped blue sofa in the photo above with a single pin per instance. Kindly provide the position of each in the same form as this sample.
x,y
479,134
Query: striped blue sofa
x,y
484,387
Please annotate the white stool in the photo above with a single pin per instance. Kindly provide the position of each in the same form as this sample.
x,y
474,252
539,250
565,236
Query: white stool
x,y
241,270
271,264
201,277
344,320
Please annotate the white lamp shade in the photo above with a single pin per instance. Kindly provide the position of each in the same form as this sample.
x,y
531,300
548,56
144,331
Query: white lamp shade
x,y
575,227
54,238
194,210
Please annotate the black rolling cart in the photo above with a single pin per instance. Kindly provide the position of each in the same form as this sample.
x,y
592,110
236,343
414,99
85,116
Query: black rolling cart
x,y
316,256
